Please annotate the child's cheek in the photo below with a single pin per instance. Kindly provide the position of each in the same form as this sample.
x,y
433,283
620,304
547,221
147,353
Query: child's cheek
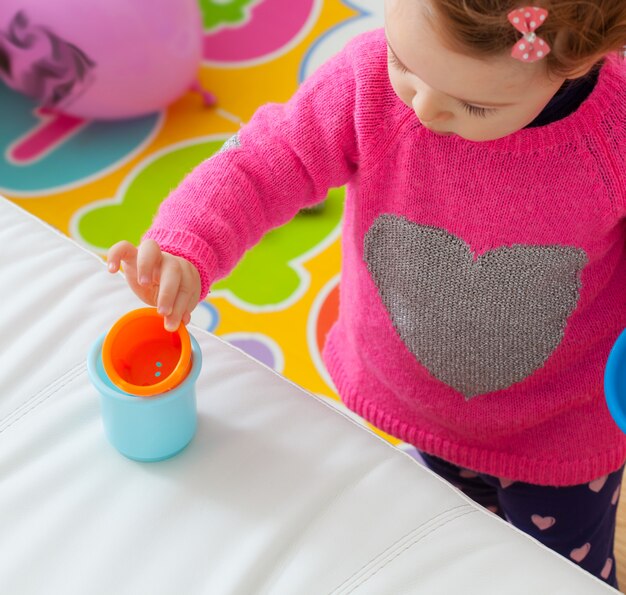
x,y
401,86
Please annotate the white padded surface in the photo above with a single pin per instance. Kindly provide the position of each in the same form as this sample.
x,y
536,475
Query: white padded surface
x,y
277,493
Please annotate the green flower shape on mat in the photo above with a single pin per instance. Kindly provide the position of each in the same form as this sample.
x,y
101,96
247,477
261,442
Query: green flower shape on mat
x,y
103,223
270,273
268,276
225,12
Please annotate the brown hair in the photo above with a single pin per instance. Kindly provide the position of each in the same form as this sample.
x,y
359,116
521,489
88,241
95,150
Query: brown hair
x,y
580,32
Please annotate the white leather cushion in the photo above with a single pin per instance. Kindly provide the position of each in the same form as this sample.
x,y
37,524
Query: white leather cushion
x,y
277,493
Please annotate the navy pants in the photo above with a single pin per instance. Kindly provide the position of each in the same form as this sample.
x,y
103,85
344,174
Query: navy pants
x,y
578,521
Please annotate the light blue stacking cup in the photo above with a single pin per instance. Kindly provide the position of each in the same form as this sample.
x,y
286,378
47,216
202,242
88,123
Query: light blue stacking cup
x,y
615,381
147,428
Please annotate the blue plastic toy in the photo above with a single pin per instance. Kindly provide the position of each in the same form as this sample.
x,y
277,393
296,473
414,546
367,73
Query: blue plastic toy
x,y
146,426
615,381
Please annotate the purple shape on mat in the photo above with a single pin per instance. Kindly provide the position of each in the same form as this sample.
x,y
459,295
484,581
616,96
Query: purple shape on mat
x,y
256,349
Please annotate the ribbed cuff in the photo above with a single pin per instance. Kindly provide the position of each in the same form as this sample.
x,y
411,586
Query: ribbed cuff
x,y
191,248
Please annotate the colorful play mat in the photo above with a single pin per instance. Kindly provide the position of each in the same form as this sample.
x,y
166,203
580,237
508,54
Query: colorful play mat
x,y
100,182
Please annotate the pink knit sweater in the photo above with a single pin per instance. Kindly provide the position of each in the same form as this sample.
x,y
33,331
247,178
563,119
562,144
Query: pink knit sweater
x,y
483,284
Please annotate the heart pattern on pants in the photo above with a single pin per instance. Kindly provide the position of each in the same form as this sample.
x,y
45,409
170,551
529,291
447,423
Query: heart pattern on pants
x,y
580,553
606,570
478,324
542,522
597,484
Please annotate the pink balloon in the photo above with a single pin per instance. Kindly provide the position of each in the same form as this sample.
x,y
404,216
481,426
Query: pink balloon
x,y
109,59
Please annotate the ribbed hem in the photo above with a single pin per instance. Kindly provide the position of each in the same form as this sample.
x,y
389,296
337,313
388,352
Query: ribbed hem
x,y
515,467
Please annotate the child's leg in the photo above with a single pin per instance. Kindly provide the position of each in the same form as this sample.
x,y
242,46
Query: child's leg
x,y
578,522
470,483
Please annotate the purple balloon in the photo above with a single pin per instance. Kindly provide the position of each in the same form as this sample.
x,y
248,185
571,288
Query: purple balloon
x,y
105,60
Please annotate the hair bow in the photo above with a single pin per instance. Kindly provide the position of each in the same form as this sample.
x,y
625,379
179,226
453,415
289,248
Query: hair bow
x,y
530,47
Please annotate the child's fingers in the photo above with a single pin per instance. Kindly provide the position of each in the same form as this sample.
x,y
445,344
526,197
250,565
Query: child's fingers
x,y
193,282
122,251
156,273
159,279
169,286
126,254
179,309
191,305
148,259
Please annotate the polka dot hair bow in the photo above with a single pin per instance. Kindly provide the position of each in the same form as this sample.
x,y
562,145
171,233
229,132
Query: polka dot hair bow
x,y
530,47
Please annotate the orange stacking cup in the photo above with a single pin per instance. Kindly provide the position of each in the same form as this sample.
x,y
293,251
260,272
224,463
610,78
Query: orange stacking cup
x,y
141,358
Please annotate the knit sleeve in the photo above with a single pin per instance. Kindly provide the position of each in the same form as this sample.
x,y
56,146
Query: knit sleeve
x,y
616,134
287,157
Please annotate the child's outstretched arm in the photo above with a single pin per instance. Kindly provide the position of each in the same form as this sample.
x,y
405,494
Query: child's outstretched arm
x,y
169,282
285,158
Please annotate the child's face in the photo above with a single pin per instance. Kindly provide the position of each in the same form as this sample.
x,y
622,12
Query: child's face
x,y
452,93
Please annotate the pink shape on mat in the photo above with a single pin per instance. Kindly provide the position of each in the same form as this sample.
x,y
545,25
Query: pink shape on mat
x,y
273,24
53,129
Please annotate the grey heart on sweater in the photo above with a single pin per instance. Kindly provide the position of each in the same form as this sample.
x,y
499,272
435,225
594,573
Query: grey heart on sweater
x,y
478,324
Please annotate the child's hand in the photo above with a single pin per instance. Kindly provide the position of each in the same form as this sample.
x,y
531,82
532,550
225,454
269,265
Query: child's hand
x,y
170,283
